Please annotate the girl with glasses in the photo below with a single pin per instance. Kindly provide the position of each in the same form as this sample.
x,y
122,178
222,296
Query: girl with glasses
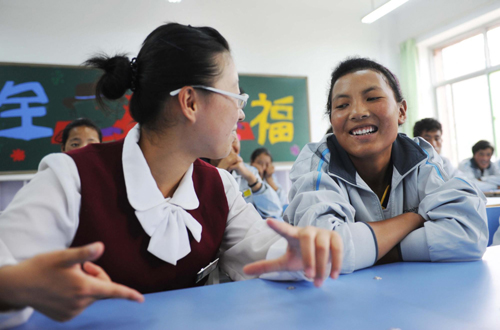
x,y
145,214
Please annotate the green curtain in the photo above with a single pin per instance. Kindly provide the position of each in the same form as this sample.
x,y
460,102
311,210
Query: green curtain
x,y
409,83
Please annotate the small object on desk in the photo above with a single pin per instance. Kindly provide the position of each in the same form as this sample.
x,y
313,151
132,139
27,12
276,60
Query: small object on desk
x,y
377,278
290,288
206,270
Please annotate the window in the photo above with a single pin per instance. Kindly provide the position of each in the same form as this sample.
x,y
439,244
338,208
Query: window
x,y
466,84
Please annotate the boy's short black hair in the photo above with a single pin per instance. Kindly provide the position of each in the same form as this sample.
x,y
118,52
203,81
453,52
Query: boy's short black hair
x,y
426,125
481,145
77,123
354,64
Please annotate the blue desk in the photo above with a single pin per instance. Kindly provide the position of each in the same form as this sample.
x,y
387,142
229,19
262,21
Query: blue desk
x,y
463,295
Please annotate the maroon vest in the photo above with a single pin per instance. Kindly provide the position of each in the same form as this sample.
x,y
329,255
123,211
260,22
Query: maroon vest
x,y
107,216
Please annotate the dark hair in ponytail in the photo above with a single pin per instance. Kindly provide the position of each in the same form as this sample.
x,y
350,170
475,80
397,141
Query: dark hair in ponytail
x,y
172,56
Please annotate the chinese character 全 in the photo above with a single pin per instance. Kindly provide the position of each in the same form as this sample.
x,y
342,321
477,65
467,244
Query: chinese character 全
x,y
27,131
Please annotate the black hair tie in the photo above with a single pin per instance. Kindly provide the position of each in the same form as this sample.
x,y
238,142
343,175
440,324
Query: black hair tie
x,y
133,67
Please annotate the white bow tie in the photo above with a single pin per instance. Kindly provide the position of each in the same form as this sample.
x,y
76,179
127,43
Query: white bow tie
x,y
167,225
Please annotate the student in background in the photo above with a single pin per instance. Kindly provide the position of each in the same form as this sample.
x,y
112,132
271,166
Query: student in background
x,y
262,160
160,212
480,169
79,133
383,192
431,131
496,237
255,191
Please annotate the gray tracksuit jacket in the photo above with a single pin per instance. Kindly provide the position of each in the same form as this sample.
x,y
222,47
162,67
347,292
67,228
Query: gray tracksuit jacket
x,y
327,192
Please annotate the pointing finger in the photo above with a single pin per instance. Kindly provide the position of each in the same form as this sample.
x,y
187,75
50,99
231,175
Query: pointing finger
x,y
336,250
72,256
322,253
103,290
284,229
307,238
96,271
265,266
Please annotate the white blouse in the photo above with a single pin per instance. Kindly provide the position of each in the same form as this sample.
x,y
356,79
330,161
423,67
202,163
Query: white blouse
x,y
44,216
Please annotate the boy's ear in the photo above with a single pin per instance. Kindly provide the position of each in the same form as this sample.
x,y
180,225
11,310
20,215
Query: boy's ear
x,y
189,102
402,112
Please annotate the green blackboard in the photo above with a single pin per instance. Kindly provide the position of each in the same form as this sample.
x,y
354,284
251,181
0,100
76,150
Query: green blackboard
x,y
38,101
276,116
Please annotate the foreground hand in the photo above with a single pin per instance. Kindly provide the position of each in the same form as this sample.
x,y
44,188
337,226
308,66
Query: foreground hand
x,y
56,285
309,249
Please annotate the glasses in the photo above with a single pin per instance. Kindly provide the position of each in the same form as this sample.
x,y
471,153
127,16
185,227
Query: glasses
x,y
241,98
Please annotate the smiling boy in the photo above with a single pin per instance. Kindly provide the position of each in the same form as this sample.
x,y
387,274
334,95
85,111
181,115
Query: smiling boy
x,y
431,131
479,169
384,193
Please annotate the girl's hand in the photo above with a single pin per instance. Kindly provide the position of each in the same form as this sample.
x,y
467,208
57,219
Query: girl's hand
x,y
230,161
56,285
269,171
309,249
260,168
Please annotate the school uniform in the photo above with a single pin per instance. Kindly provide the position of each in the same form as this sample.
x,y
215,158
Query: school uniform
x,y
106,192
496,237
449,168
281,192
487,179
327,192
266,200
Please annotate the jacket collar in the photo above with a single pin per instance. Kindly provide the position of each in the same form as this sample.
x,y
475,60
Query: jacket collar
x,y
142,191
406,153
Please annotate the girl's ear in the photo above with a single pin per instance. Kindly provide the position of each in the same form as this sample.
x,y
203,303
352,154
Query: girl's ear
x,y
402,112
189,102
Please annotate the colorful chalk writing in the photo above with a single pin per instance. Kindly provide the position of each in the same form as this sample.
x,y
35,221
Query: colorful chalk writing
x,y
27,131
281,111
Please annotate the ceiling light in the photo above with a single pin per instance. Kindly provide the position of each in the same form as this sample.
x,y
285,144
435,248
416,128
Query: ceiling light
x,y
382,10
174,0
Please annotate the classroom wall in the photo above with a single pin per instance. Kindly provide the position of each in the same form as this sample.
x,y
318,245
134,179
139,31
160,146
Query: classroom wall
x,y
280,37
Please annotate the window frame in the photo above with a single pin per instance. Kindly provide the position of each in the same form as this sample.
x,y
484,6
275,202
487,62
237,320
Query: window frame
x,y
435,84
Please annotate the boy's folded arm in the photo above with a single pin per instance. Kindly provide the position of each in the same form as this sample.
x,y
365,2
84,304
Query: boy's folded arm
x,y
456,227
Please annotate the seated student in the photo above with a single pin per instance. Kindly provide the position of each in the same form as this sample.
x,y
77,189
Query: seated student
x,y
480,169
79,133
262,160
431,131
496,237
255,191
384,193
161,213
